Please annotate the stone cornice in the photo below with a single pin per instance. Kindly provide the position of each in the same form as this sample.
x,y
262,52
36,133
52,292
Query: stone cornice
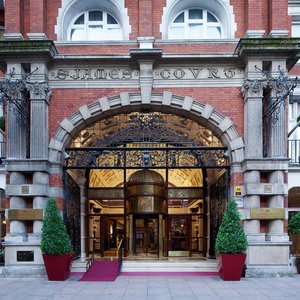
x,y
287,48
31,50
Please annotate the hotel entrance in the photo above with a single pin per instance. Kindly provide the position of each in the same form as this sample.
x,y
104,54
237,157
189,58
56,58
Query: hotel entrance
x,y
147,182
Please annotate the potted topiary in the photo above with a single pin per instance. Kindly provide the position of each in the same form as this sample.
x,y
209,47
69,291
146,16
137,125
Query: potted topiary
x,y
231,243
55,244
294,229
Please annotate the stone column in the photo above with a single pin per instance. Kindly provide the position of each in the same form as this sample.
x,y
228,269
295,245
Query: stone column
x,y
17,228
16,135
39,102
81,183
39,202
276,227
277,130
252,227
253,121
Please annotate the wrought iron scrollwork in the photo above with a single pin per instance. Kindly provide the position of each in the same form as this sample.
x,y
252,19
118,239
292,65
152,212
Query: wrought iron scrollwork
x,y
159,158
280,88
14,89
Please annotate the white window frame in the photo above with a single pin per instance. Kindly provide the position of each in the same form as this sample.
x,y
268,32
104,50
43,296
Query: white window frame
x,y
105,26
220,8
71,8
188,21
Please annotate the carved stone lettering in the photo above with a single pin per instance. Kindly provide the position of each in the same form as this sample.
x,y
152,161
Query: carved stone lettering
x,y
213,73
165,74
100,74
179,73
195,72
82,74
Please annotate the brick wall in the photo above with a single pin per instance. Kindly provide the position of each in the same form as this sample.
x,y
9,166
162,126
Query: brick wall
x,y
145,16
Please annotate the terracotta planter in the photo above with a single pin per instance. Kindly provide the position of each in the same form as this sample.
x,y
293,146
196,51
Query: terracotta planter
x,y
58,266
231,266
298,264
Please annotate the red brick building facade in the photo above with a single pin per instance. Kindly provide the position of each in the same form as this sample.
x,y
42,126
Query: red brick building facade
x,y
98,63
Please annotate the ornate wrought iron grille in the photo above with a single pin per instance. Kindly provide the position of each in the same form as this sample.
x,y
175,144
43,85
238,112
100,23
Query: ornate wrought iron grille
x,y
279,89
14,91
146,142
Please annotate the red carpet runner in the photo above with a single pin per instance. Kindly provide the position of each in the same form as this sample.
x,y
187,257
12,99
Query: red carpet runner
x,y
102,271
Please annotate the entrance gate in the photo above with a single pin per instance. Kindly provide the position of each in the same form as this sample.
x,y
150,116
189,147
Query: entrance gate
x,y
146,142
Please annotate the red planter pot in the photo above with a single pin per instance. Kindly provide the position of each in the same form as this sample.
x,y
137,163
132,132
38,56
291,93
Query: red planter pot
x,y
231,266
58,266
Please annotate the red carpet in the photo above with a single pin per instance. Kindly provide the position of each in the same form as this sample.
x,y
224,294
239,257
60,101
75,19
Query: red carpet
x,y
102,271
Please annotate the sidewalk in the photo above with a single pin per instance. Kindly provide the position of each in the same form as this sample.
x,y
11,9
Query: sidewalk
x,y
152,287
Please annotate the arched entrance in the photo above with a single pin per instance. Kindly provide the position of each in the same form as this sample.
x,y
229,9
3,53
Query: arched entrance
x,y
163,139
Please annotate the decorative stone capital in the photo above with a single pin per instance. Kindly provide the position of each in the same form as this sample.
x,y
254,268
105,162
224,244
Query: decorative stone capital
x,y
253,88
12,88
39,90
278,89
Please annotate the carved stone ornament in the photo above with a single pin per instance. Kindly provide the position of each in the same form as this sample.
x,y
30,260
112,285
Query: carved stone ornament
x,y
280,89
39,90
12,88
254,88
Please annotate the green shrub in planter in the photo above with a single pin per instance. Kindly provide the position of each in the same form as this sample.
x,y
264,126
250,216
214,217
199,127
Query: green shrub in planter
x,y
2,123
55,239
294,223
231,238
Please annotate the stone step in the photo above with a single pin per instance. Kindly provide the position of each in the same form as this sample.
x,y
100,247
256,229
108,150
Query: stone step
x,y
169,266
128,266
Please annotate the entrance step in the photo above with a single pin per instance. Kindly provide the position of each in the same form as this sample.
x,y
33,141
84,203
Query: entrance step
x,y
170,266
78,267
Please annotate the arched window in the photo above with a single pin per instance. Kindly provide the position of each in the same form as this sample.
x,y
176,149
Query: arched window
x,y
92,20
198,19
95,25
195,24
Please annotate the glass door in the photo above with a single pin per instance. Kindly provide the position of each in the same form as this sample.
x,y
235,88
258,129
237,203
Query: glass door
x,y
179,235
146,236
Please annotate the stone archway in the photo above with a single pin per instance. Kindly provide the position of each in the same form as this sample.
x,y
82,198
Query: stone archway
x,y
166,101
126,102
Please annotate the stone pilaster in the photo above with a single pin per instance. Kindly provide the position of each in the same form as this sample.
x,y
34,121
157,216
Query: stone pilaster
x,y
146,79
252,227
39,202
17,228
252,91
39,101
16,135
277,120
276,227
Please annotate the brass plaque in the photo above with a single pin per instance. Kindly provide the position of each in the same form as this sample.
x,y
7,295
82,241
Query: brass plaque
x,y
25,214
25,189
267,213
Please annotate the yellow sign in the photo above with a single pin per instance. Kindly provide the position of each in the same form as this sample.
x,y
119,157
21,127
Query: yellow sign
x,y
25,214
237,190
267,213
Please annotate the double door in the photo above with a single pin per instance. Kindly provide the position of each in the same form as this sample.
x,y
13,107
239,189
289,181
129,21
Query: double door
x,y
186,235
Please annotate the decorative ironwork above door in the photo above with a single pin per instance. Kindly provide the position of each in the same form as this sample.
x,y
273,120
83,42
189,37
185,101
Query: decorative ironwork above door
x,y
147,142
